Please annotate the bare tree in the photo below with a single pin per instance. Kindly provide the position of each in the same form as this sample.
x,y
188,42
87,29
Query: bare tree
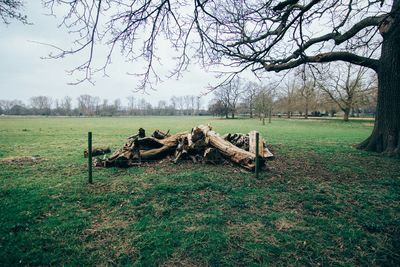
x,y
174,103
229,95
250,93
289,95
181,104
346,87
198,104
308,95
265,102
131,104
66,105
42,104
187,101
87,104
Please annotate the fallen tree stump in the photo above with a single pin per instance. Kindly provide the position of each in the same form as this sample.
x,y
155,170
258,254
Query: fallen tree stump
x,y
201,145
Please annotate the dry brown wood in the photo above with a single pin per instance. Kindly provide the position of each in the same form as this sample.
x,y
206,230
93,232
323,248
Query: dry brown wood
x,y
253,144
97,151
138,149
240,156
201,144
212,156
160,135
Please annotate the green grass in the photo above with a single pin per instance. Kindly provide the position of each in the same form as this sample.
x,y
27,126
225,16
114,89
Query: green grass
x,y
322,202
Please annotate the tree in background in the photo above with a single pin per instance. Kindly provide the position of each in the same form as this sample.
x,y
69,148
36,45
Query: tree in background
x,y
346,87
229,95
88,104
264,103
41,104
249,96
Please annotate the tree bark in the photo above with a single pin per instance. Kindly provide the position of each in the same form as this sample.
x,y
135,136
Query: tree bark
x,y
306,113
346,114
385,136
270,115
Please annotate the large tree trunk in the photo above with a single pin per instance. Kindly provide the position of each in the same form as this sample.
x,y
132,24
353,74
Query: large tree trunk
x,y
346,114
385,136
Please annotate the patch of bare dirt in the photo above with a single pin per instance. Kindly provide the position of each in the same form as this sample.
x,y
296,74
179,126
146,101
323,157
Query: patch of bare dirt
x,y
22,160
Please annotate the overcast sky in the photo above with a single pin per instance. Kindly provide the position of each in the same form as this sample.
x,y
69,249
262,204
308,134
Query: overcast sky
x,y
24,74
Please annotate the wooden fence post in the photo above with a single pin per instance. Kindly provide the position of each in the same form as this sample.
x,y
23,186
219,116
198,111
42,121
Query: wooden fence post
x,y
257,154
90,157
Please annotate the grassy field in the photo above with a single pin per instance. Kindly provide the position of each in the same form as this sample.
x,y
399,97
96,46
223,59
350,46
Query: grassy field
x,y
321,203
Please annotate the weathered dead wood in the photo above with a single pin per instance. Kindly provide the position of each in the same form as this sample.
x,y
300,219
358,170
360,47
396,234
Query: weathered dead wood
x,y
181,151
97,151
228,150
160,135
141,133
201,144
138,149
212,156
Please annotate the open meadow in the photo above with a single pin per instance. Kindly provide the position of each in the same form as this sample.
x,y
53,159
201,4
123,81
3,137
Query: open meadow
x,y
322,202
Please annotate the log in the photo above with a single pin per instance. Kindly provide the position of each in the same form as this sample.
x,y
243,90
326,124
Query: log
x,y
160,135
97,151
141,133
239,140
181,151
138,149
228,150
212,156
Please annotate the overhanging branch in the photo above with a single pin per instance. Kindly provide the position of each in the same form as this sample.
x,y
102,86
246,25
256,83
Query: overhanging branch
x,y
325,57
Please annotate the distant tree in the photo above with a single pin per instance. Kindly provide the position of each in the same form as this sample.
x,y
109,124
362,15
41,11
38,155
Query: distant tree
x,y
307,92
41,104
162,107
198,104
217,108
346,87
6,105
249,94
229,95
181,104
87,104
265,102
289,95
188,102
66,105
131,104
174,103
116,106
18,108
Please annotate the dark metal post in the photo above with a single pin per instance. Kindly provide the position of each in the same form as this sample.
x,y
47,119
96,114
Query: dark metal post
x,y
257,154
90,157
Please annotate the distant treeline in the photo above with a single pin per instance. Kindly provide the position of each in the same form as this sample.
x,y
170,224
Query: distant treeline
x,y
352,95
87,105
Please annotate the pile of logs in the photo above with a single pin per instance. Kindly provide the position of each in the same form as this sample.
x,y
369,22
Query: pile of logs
x,y
200,145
